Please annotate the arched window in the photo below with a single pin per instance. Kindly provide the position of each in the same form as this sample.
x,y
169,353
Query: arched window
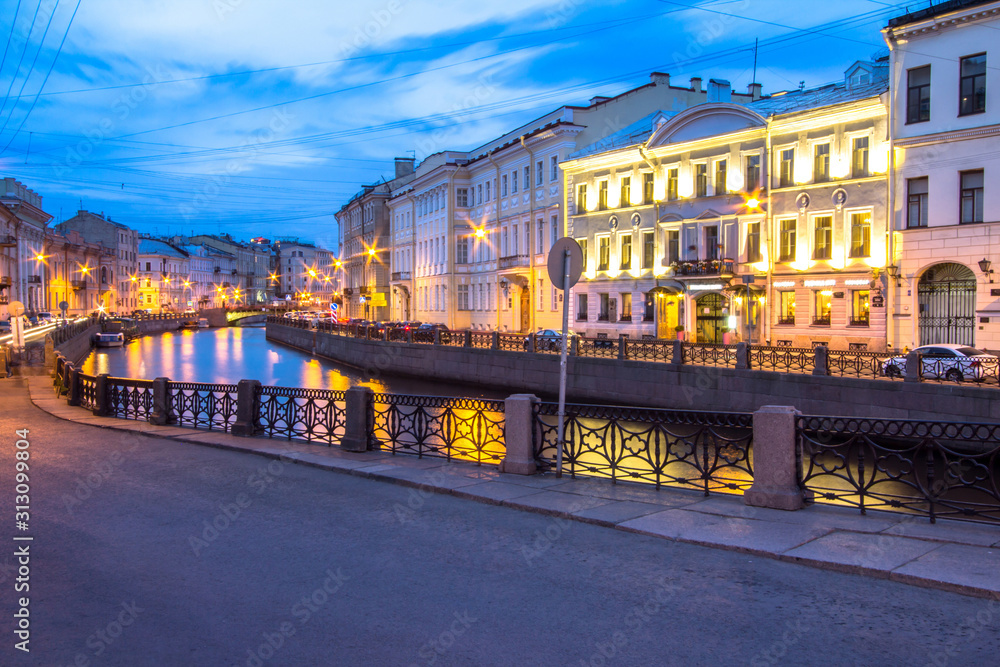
x,y
104,275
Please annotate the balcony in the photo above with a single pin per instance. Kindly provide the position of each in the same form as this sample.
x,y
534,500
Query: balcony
x,y
401,275
859,321
218,269
790,321
703,267
78,284
34,280
514,261
822,320
226,285
364,289
6,281
7,241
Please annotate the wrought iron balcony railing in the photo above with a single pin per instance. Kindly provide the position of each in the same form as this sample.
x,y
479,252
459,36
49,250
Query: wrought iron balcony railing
x,y
78,284
401,275
514,261
7,241
35,280
704,267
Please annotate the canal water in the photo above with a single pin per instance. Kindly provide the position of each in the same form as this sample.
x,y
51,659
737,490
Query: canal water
x,y
228,355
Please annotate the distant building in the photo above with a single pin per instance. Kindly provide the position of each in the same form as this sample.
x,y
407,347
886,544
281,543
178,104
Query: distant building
x,y
23,253
162,273
119,293
304,272
253,262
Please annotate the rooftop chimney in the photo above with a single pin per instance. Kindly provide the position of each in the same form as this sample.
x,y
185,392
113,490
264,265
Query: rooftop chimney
x,y
696,84
597,99
719,91
659,79
754,89
404,166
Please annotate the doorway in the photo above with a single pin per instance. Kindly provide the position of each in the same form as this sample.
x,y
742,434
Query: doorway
x,y
525,310
946,297
711,312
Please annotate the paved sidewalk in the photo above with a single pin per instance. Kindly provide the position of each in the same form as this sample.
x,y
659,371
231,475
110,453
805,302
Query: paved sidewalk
x,y
949,555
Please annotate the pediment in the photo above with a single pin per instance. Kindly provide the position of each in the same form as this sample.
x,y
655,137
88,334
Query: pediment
x,y
705,120
708,214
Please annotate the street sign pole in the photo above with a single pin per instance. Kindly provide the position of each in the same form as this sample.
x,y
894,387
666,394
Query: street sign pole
x,y
562,363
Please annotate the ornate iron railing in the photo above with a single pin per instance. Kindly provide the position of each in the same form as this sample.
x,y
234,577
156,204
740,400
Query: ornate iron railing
x,y
482,340
512,342
649,350
211,406
708,354
88,391
857,363
707,451
130,399
934,469
598,347
782,359
466,429
314,415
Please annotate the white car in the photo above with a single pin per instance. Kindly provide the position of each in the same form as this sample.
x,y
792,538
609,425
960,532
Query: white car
x,y
45,318
947,362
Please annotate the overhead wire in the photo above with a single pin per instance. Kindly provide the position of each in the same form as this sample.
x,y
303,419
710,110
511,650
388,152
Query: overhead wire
x,y
31,68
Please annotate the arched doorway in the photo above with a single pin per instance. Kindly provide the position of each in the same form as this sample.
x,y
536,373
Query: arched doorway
x,y
525,310
711,311
946,297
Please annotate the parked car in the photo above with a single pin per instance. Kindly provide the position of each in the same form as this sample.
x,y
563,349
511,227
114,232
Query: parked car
x,y
6,327
948,362
550,339
425,333
45,318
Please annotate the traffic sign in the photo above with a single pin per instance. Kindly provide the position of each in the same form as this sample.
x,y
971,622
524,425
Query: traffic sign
x,y
557,257
16,308
334,307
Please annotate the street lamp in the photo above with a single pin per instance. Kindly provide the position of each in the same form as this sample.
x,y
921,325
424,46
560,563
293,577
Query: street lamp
x,y
984,266
893,272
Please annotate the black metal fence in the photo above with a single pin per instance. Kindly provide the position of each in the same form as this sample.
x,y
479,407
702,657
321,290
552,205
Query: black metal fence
x,y
466,429
313,415
708,451
933,469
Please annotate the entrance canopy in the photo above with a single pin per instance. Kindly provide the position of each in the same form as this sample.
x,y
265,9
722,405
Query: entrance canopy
x,y
669,288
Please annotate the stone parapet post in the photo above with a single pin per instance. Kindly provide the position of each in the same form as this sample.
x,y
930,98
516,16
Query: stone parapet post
x,y
101,395
574,346
358,417
775,474
678,353
161,402
437,336
742,355
73,382
495,341
519,423
914,364
409,334
821,360
622,346
246,408
467,342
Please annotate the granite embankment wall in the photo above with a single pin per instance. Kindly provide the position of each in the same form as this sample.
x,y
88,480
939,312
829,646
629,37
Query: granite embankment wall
x,y
687,387
77,349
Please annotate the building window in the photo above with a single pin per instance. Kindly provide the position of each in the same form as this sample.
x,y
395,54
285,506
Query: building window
x,y
786,174
625,252
626,315
650,307
823,237
602,196
720,177
554,236
918,95
463,297
648,249
540,225
700,180
916,202
752,172
753,242
503,185
673,246
787,304
602,313
539,172
859,308
541,294
554,168
972,88
625,198
581,198
462,251
712,242
647,188
513,182
787,239
972,196
527,178
583,248
861,232
859,157
823,305
672,179
479,194
581,307
821,163
603,253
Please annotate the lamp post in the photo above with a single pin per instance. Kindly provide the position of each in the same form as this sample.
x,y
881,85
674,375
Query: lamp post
x,y
985,266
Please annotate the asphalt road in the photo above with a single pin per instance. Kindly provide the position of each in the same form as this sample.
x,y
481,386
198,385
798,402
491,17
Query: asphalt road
x,y
135,562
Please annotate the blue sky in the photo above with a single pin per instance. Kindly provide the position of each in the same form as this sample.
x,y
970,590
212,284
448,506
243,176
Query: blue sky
x,y
256,117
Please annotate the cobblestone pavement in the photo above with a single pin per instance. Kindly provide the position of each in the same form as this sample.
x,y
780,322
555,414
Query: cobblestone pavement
x,y
149,551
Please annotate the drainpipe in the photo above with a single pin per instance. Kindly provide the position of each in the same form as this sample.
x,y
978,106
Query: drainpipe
x,y
656,228
496,217
450,292
531,236
890,223
769,240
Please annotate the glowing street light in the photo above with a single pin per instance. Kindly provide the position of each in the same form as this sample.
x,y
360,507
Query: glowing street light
x,y
480,233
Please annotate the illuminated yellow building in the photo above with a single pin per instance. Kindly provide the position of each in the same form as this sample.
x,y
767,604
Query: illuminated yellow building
x,y
762,221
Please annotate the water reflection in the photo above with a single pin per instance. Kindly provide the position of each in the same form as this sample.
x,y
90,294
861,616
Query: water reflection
x,y
227,355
